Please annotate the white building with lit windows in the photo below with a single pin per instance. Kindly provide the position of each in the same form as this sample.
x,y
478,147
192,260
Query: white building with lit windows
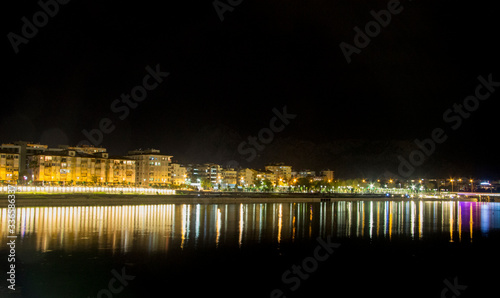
x,y
179,174
151,167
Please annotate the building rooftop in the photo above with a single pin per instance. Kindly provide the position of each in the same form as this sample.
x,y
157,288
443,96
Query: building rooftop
x,y
120,157
63,152
146,152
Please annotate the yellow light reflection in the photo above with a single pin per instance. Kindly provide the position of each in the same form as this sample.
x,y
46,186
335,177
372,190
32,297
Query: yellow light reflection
x,y
390,220
241,224
420,219
280,221
459,222
218,226
471,221
158,227
451,207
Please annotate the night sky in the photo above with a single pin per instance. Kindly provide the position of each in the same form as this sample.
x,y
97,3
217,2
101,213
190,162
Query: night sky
x,y
226,77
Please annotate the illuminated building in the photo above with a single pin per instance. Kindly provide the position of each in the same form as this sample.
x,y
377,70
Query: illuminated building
x,y
208,172
229,178
151,167
67,167
266,175
120,170
24,149
304,174
327,175
85,149
71,167
179,174
9,167
246,177
281,171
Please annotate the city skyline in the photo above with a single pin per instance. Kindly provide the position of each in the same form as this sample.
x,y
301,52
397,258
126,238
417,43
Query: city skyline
x,y
25,163
181,80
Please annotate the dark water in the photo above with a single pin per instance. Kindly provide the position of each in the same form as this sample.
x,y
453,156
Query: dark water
x,y
333,249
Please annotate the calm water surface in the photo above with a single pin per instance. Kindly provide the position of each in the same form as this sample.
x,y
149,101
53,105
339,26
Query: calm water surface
x,y
52,239
163,227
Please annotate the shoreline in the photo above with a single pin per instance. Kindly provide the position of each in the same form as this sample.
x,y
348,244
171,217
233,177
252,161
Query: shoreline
x,y
90,199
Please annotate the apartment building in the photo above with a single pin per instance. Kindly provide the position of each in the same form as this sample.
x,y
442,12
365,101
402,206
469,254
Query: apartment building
x,y
229,178
179,174
151,167
282,172
246,177
9,166
24,150
266,175
208,171
71,167
327,175
65,167
120,171
303,174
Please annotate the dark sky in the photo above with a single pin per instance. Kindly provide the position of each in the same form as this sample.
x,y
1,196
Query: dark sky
x,y
226,78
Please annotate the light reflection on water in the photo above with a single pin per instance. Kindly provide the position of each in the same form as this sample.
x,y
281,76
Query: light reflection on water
x,y
162,227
